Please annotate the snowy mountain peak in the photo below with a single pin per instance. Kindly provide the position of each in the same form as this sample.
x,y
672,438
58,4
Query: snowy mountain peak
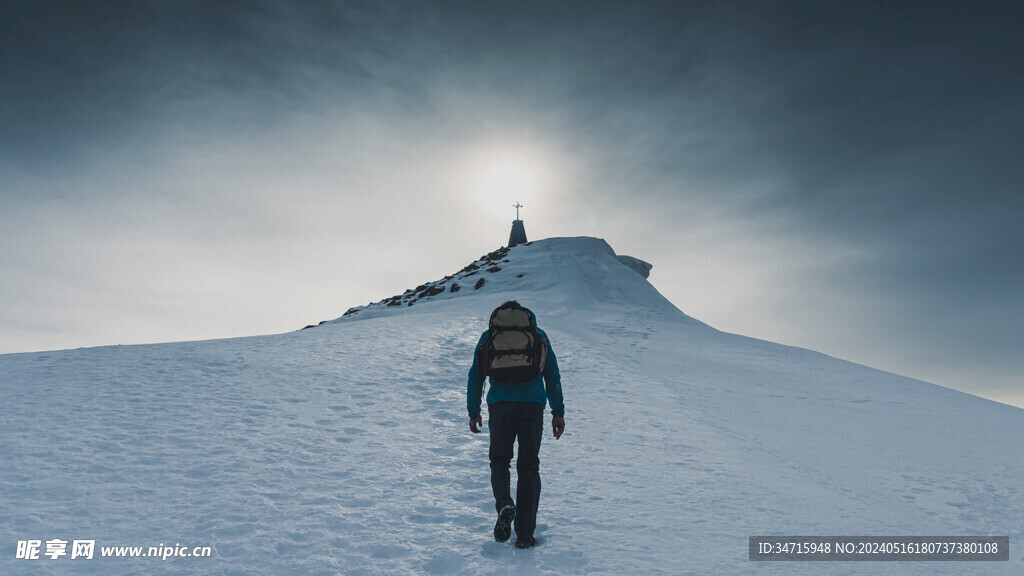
x,y
554,275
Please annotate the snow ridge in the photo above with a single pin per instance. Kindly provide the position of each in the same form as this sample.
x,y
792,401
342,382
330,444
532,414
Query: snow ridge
x,y
578,272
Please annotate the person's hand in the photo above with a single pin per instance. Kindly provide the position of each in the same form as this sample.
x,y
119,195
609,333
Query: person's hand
x,y
475,423
557,426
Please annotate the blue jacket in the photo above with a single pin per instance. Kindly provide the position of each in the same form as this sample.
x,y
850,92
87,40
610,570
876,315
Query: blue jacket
x,y
548,391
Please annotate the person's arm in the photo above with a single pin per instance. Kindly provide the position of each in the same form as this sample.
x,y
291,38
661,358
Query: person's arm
x,y
553,387
475,388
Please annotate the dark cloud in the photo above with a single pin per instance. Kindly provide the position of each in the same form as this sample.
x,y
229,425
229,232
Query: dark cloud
x,y
79,75
893,129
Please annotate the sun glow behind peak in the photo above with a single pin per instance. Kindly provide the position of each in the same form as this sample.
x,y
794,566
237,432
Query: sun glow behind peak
x,y
496,178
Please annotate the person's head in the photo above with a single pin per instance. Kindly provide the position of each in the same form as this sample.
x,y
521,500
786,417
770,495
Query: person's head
x,y
510,303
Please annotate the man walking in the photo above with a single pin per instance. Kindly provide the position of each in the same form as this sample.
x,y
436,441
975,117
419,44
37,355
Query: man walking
x,y
518,358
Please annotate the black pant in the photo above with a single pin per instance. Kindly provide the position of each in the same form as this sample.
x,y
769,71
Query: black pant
x,y
509,420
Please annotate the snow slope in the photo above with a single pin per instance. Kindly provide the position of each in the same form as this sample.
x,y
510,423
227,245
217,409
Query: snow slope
x,y
344,449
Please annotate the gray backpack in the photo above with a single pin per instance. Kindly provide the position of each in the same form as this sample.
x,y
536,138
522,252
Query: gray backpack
x,y
513,351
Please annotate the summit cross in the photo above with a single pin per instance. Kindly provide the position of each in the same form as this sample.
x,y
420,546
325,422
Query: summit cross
x,y
517,206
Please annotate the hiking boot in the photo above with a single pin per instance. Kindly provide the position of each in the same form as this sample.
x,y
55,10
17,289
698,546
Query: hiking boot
x,y
503,527
525,542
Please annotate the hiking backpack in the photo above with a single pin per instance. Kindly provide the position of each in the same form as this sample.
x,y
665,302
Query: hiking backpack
x,y
513,351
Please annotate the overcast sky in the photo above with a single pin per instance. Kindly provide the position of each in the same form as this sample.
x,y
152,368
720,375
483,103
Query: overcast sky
x,y
841,176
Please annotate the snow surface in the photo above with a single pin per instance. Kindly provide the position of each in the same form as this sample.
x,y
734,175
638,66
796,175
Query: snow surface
x,y
642,268
344,449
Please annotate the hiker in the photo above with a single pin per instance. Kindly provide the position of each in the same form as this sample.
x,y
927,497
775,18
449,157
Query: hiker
x,y
518,358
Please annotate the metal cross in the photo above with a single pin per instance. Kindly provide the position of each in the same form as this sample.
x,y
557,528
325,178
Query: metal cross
x,y
517,206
